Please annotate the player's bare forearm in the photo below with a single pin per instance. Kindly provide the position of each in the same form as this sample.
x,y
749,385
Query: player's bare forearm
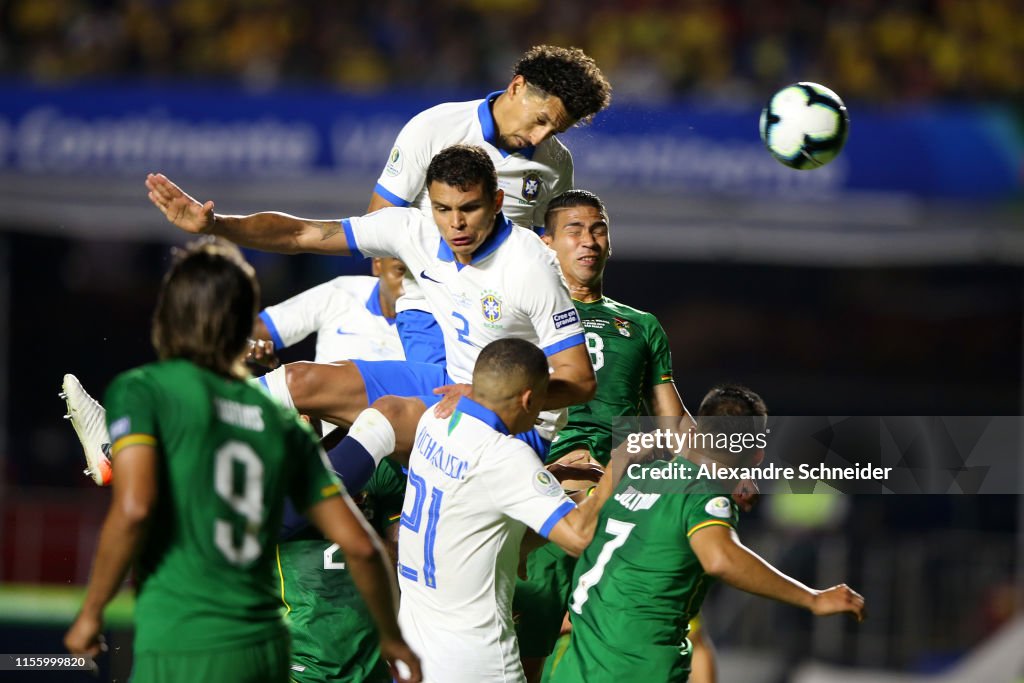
x,y
574,532
724,557
120,539
375,580
131,507
282,233
665,402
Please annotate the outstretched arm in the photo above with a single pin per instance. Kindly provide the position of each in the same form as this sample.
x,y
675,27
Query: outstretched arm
x,y
340,521
723,556
270,231
135,492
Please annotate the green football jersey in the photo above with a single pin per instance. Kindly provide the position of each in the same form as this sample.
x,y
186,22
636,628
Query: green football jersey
x,y
638,584
228,456
333,635
630,353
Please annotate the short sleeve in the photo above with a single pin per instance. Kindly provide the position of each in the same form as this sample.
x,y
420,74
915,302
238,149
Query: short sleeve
x,y
312,479
294,319
660,366
384,233
702,511
405,172
524,490
550,308
132,411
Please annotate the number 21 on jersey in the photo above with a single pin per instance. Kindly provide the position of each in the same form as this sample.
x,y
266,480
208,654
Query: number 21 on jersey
x,y
413,521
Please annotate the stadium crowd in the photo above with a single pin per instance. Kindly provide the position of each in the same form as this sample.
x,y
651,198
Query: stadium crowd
x,y
870,49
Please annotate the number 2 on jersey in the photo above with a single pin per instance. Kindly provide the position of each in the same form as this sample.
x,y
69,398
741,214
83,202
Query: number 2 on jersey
x,y
620,532
462,329
413,521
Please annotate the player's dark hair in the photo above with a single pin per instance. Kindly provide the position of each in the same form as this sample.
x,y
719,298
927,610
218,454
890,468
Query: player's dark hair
x,y
732,400
464,166
732,411
512,358
568,74
568,200
206,307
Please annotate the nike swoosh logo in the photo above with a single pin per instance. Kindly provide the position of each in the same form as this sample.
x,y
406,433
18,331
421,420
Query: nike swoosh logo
x,y
423,274
341,331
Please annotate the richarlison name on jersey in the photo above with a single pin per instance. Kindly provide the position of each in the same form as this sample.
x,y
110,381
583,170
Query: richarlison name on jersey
x,y
446,463
770,471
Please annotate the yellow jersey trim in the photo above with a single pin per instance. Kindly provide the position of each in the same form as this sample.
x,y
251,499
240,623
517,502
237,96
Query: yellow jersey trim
x,y
710,522
132,440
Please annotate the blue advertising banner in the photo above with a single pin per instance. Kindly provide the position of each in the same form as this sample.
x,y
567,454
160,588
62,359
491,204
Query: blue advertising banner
x,y
966,153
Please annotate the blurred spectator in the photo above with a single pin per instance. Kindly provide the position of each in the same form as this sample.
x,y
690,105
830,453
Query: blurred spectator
x,y
883,50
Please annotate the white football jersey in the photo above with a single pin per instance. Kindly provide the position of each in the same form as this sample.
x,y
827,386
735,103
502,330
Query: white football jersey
x,y
512,288
346,316
472,492
529,177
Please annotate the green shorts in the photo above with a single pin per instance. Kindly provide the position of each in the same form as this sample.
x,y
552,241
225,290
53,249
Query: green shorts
x,y
540,601
265,662
333,636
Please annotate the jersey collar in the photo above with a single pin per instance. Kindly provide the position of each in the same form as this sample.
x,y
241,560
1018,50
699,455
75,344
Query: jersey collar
x,y
502,229
373,304
489,128
486,415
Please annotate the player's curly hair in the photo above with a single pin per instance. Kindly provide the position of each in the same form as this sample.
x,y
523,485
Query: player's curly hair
x,y
568,74
206,307
464,166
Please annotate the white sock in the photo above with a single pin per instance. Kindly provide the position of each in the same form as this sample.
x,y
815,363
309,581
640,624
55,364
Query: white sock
x,y
275,383
374,433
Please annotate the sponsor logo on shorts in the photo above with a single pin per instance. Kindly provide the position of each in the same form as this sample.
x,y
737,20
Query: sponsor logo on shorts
x,y
565,318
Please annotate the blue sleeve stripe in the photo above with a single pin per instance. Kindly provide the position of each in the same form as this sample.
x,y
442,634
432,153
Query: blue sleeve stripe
x,y
390,196
572,341
562,510
350,237
272,328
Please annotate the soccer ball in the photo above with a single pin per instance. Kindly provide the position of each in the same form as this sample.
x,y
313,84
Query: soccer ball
x,y
804,125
